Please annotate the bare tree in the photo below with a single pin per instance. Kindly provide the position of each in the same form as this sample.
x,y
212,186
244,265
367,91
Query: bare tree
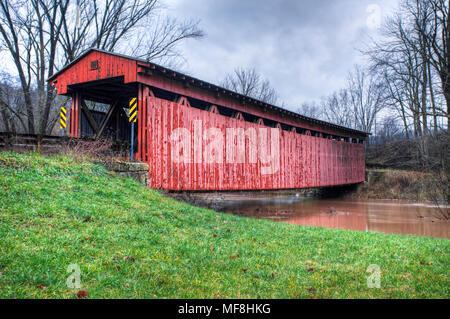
x,y
432,24
411,58
249,82
389,128
400,66
311,109
356,105
366,98
161,44
44,35
336,108
11,104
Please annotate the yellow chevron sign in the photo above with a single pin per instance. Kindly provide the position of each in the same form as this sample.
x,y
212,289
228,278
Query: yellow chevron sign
x,y
63,118
133,110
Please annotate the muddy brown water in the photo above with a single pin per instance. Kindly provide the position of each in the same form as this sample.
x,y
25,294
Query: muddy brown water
x,y
387,216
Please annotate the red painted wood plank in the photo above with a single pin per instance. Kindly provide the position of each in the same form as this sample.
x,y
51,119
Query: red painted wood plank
x,y
305,161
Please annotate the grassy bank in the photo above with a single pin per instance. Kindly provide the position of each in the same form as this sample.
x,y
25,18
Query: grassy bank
x,y
131,242
402,184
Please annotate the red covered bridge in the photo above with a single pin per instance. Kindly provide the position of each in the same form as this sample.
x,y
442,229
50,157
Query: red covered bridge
x,y
197,136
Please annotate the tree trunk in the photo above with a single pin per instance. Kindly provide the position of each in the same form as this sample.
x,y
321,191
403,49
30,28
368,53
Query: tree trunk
x,y
5,119
445,78
46,113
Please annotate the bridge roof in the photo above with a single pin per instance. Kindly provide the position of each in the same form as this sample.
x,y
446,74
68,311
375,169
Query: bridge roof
x,y
192,81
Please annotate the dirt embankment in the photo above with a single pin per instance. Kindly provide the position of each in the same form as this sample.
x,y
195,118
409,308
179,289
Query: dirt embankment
x,y
407,185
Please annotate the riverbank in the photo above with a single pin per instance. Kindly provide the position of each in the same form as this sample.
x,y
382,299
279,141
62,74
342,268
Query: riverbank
x,y
132,242
403,185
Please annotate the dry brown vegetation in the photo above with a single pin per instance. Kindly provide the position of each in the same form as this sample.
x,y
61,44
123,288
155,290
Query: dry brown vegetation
x,y
412,169
399,184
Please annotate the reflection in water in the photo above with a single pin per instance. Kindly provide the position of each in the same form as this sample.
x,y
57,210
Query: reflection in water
x,y
374,215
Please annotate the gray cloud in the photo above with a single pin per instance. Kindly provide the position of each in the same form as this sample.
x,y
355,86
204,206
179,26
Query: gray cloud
x,y
305,48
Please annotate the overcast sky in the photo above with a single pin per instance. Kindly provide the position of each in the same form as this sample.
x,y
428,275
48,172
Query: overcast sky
x,y
305,48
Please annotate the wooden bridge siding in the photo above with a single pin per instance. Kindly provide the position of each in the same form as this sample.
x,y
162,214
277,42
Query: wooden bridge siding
x,y
179,88
305,161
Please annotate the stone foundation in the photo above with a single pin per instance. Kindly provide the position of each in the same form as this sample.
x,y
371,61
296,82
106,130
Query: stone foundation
x,y
135,170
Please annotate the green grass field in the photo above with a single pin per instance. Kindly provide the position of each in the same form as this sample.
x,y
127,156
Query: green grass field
x,y
132,242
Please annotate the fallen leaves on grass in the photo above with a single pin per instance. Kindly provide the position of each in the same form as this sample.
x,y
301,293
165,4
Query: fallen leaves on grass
x,y
87,219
